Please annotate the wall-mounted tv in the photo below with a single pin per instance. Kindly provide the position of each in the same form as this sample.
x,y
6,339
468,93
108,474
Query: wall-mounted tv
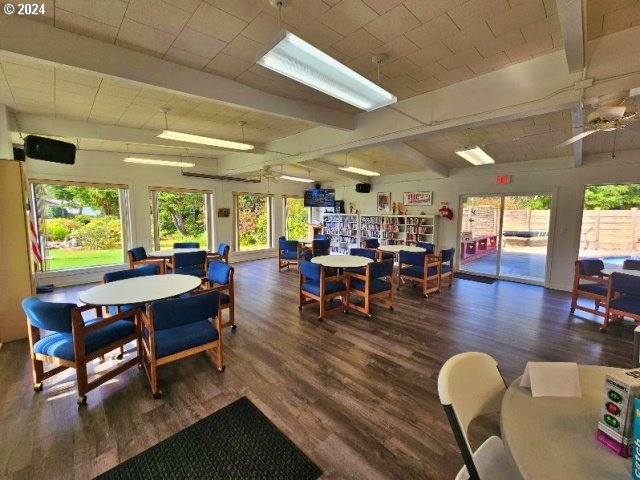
x,y
319,197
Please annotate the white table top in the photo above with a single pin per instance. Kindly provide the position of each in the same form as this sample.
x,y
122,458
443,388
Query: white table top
x,y
555,438
341,261
139,290
171,252
405,248
609,271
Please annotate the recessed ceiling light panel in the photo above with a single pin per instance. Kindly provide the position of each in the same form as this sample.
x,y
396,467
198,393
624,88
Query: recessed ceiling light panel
x,y
475,155
214,142
361,171
164,163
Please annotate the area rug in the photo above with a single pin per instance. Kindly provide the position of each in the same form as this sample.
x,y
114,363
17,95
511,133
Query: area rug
x,y
236,442
474,278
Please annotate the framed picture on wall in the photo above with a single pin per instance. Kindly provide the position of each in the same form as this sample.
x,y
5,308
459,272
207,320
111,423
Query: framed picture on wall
x,y
384,202
418,198
224,212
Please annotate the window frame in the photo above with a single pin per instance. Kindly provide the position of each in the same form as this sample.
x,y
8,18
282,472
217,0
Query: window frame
x,y
269,197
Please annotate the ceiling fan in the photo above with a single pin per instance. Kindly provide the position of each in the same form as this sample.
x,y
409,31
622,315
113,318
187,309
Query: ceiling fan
x,y
267,174
609,116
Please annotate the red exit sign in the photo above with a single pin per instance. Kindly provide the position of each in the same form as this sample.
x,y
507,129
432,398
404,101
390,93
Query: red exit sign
x,y
503,179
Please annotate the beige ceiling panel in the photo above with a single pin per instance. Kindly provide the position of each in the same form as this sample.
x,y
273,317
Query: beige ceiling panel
x,y
392,24
489,64
104,99
338,55
244,9
476,11
29,85
144,38
110,12
216,23
189,59
227,66
76,78
187,5
598,11
621,19
31,71
400,47
198,43
428,10
243,48
428,55
461,59
426,85
501,43
530,49
382,6
347,16
358,43
71,97
434,30
262,28
454,76
400,67
117,89
469,38
158,14
301,14
518,17
541,28
428,72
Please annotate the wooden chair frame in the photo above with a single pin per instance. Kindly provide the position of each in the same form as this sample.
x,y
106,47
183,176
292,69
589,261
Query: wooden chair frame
x,y
614,314
78,332
307,298
285,263
367,298
160,262
430,284
148,349
228,287
448,274
215,256
576,292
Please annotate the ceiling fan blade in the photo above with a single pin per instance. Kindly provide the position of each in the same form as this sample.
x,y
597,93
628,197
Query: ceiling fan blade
x,y
575,138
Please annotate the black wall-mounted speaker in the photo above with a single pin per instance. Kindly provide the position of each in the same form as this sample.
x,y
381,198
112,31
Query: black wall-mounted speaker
x,y
363,187
317,186
41,148
18,154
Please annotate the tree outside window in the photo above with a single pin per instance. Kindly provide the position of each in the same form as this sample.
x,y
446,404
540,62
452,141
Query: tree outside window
x,y
253,222
296,218
178,217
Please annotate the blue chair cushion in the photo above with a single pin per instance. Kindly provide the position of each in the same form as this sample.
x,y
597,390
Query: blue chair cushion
x,y
413,271
289,255
191,270
596,288
60,345
219,272
224,298
446,268
329,287
387,255
125,308
184,337
376,285
627,303
356,270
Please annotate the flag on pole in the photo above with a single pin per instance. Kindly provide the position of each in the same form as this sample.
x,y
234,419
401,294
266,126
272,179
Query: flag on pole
x,y
35,244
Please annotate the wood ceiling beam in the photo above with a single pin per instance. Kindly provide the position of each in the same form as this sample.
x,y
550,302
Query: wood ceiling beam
x,y
415,157
571,14
324,167
42,42
577,122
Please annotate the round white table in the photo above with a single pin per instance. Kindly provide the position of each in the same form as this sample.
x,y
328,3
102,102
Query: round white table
x,y
139,290
341,261
404,248
609,271
555,438
171,252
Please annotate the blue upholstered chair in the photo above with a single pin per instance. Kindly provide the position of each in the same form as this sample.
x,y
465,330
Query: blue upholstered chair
x,y
143,271
631,264
428,246
138,257
315,286
177,328
361,252
374,243
188,263
321,247
179,245
220,279
289,252
589,282
623,298
419,268
446,264
221,254
376,283
72,342
320,236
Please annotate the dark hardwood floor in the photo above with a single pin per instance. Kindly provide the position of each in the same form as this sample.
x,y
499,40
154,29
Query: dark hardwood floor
x,y
358,396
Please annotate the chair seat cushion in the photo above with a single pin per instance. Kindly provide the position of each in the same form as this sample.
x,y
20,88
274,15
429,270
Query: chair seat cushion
x,y
184,337
628,303
60,345
596,288
126,308
376,286
387,255
446,268
224,298
413,271
356,270
329,287
289,255
191,270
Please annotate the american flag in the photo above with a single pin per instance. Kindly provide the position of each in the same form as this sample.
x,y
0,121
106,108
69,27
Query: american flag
x,y
34,238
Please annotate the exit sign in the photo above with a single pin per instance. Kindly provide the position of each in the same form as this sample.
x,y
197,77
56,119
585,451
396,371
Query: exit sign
x,y
503,179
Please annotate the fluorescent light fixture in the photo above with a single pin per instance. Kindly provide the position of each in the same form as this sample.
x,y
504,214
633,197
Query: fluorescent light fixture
x,y
292,57
214,142
475,155
153,161
296,179
361,171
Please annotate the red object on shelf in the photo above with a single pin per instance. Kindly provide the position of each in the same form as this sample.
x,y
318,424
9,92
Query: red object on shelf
x,y
503,179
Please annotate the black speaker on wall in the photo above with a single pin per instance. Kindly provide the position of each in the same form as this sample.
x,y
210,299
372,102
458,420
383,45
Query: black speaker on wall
x,y
363,187
18,154
41,148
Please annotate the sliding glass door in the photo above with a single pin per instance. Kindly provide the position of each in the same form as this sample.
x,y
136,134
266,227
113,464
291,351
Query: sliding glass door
x,y
506,236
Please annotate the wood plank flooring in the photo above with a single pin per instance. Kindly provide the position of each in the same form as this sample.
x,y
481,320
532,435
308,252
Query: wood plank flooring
x,y
358,396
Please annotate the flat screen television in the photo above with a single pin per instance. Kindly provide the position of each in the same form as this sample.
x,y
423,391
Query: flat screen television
x,y
319,197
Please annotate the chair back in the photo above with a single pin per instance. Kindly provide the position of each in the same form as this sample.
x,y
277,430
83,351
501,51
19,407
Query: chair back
x,y
137,254
380,269
320,247
469,385
220,273
631,264
177,312
143,271
320,236
287,245
363,252
223,249
447,255
188,259
55,317
412,258
312,271
590,266
428,246
186,245
371,243
625,284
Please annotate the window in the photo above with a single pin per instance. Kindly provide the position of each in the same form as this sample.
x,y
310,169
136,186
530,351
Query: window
x,y
180,216
253,221
81,225
296,217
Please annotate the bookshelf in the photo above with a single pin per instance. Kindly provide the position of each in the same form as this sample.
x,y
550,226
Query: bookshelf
x,y
398,229
342,229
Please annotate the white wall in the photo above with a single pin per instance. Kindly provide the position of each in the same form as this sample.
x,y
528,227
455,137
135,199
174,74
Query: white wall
x,y
556,176
109,168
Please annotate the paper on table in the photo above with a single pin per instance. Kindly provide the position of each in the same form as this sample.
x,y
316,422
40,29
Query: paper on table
x,y
552,379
